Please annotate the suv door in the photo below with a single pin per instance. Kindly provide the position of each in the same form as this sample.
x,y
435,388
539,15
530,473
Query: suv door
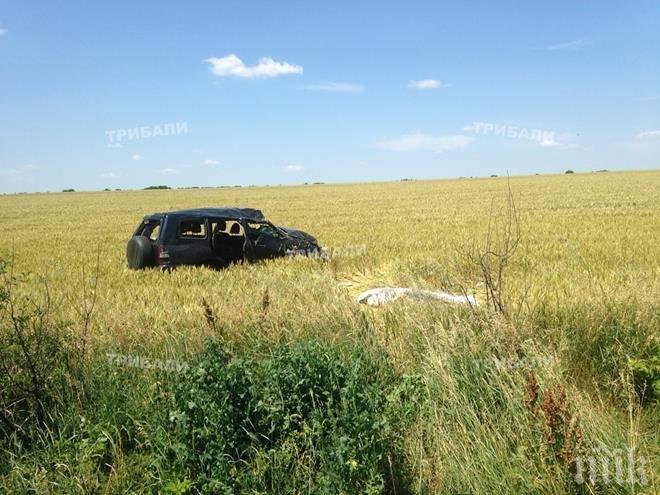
x,y
192,243
263,241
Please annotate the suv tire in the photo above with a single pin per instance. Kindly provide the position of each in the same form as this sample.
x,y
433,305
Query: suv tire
x,y
139,253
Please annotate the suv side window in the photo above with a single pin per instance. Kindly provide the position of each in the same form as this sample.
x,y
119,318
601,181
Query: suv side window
x,y
264,228
149,229
192,229
152,231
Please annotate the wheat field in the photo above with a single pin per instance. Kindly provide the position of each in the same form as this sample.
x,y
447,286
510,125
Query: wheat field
x,y
583,288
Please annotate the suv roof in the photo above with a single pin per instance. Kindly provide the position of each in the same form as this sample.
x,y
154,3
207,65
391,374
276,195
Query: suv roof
x,y
225,212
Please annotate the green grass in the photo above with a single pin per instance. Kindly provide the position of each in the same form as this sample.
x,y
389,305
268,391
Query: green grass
x,y
587,271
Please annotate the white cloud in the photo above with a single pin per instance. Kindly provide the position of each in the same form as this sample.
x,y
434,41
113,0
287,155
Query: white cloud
x,y
15,172
561,141
294,168
334,87
108,175
549,142
137,157
640,146
425,84
648,135
570,45
210,162
424,142
3,32
231,65
168,171
644,142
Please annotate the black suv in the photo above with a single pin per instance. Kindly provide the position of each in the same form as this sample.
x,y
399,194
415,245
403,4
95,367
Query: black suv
x,y
212,237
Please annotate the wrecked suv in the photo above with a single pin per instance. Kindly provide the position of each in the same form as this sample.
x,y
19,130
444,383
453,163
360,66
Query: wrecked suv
x,y
213,237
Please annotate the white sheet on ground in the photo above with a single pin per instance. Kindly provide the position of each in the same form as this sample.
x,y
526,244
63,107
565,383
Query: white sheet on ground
x,y
383,295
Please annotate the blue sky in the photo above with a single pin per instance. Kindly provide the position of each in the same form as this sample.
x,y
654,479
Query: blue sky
x,y
224,93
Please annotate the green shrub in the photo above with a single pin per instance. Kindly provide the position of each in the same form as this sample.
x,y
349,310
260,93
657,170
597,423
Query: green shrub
x,y
646,378
311,417
35,364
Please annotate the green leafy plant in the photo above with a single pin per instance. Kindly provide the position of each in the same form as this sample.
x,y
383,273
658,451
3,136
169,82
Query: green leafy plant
x,y
646,378
311,417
